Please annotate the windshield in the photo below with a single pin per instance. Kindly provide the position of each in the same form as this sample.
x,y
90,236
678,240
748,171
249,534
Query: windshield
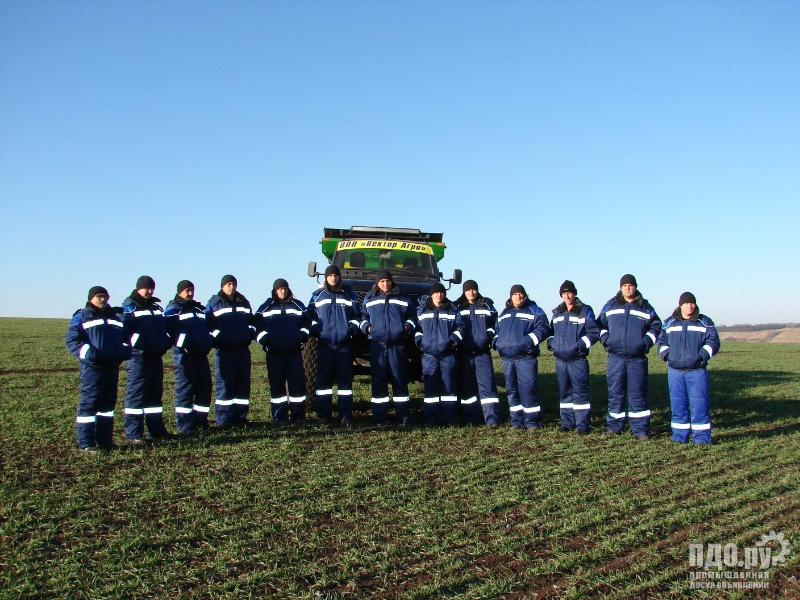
x,y
399,257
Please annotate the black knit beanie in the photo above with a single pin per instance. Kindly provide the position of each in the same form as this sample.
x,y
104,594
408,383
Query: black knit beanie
x,y
145,282
97,289
568,286
469,284
184,284
628,279
228,279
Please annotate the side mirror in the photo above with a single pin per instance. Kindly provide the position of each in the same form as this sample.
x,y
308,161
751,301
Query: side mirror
x,y
312,269
456,276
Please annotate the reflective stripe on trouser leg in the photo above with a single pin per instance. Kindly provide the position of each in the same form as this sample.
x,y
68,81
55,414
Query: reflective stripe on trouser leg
x,y
573,384
296,382
528,388
398,376
679,406
697,386
565,405
192,390
95,414
617,379
232,368
514,404
448,367
487,388
335,366
144,390
638,409
468,389
379,369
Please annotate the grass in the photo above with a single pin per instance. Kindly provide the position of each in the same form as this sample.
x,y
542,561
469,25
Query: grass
x,y
331,513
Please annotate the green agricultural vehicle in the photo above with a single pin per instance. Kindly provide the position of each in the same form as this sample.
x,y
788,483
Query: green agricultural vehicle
x,y
410,255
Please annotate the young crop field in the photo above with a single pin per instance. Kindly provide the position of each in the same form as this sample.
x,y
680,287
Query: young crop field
x,y
319,512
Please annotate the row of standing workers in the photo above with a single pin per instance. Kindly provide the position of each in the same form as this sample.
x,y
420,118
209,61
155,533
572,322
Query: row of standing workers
x,y
454,337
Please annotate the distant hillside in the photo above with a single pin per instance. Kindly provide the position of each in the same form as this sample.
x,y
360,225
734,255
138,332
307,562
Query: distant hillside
x,y
761,333
758,327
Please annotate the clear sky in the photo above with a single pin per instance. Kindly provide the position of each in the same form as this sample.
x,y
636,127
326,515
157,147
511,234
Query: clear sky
x,y
547,140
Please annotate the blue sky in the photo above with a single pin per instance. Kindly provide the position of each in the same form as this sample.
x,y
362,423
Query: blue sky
x,y
579,140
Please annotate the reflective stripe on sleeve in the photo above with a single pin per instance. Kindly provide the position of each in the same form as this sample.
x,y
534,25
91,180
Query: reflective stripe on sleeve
x,y
84,351
709,349
586,341
534,338
651,336
181,339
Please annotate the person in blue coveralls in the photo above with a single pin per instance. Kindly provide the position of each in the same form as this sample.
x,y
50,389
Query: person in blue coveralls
x,y
334,314
282,327
687,342
439,333
230,320
97,338
629,327
477,387
521,327
191,343
388,320
144,321
573,330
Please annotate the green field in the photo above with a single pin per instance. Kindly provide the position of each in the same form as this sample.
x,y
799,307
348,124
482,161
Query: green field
x,y
424,513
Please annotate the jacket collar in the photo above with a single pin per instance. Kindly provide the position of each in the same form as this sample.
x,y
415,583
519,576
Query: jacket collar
x,y
576,308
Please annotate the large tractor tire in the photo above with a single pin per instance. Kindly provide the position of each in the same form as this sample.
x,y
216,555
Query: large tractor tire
x,y
310,367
